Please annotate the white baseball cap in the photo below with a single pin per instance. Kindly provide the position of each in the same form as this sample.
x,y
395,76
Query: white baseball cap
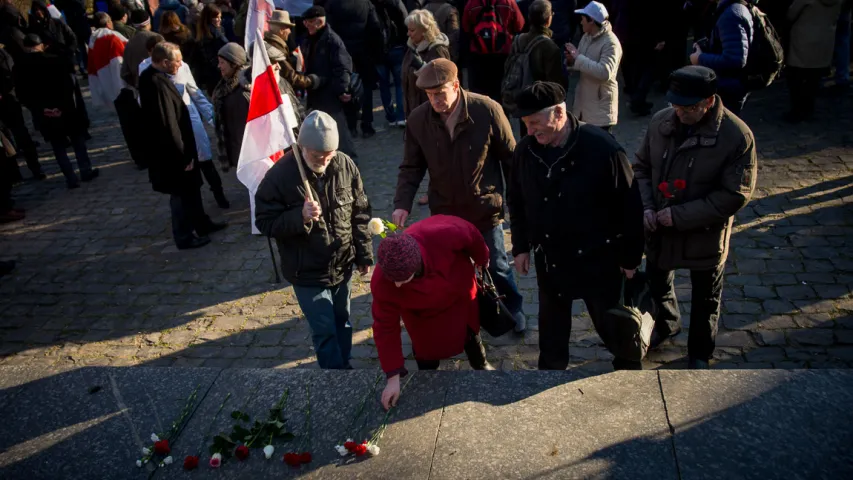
x,y
595,11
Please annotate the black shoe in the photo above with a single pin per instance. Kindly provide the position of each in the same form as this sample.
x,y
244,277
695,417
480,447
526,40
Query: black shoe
x,y
658,339
221,200
696,364
211,228
196,242
6,267
91,175
367,131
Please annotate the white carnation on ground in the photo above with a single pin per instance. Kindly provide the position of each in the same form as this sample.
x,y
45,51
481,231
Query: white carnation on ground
x,y
139,463
154,437
268,451
375,226
168,460
342,450
146,451
373,450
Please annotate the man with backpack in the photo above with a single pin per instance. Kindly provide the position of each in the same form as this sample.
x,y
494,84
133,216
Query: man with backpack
x,y
491,26
743,49
533,57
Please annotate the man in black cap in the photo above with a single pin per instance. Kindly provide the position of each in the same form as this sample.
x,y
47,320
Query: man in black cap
x,y
573,202
327,58
696,168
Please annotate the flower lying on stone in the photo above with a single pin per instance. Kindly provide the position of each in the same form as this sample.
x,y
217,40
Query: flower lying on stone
x,y
146,451
139,463
342,450
190,462
242,452
162,447
360,449
154,437
268,451
292,459
349,445
373,450
216,460
305,458
168,460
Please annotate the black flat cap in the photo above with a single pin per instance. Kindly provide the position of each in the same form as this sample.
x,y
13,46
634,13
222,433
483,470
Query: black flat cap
x,y
538,96
32,40
314,12
690,85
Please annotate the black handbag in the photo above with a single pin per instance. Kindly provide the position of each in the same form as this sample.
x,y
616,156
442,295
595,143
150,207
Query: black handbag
x,y
356,88
627,327
495,318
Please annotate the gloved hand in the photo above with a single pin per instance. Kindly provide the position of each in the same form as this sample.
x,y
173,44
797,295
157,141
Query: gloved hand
x,y
417,61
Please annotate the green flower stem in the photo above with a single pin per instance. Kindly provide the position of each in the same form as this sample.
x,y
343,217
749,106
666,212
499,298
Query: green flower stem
x,y
360,410
282,401
374,440
212,422
178,425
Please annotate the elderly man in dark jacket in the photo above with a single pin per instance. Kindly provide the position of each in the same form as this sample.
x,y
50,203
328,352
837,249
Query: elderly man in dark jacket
x,y
328,59
463,139
574,204
727,51
173,158
320,234
696,168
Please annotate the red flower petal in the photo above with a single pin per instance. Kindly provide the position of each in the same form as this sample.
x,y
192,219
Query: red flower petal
x,y
190,462
162,447
305,457
360,449
668,195
242,452
350,446
663,187
292,459
680,184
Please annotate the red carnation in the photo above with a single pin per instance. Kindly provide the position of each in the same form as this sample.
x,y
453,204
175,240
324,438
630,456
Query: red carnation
x,y
679,184
350,446
242,452
190,462
664,188
360,449
162,447
305,457
292,459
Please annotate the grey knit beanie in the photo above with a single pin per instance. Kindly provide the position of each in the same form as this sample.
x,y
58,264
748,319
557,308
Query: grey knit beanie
x,y
275,54
234,53
319,132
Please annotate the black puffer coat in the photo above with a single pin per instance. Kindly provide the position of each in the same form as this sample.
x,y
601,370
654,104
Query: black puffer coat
x,y
322,253
327,57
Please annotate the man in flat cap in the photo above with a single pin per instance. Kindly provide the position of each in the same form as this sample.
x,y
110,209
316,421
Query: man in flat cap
x,y
327,61
463,139
320,236
696,168
574,204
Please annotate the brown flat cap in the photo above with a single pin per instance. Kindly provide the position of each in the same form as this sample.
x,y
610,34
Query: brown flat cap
x,y
436,73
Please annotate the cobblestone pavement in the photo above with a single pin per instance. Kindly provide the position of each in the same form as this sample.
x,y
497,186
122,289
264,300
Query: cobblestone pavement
x,y
99,281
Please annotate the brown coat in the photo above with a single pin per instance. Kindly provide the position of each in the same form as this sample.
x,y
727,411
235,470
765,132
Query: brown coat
x,y
465,172
546,60
447,18
812,32
412,95
297,80
718,163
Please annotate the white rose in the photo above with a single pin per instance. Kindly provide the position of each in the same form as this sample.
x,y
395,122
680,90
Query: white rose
x,y
268,451
373,450
342,450
139,463
154,437
168,460
375,226
146,451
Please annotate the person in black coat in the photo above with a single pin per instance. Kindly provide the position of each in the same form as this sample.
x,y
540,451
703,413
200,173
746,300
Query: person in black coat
x,y
328,59
45,85
357,23
12,117
643,47
78,20
13,27
58,37
172,155
573,202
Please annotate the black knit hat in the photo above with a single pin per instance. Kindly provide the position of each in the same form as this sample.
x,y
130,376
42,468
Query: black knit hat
x,y
314,12
690,85
538,96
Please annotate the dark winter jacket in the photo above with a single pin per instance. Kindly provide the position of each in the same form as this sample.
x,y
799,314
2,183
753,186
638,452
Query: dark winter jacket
x,y
57,37
563,22
205,61
546,58
231,108
392,18
43,81
427,51
327,57
576,206
729,44
448,19
321,253
633,23
13,28
7,80
169,5
356,22
134,53
171,146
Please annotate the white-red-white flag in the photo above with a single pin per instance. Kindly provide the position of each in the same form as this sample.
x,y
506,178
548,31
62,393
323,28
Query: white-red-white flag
x,y
269,126
257,17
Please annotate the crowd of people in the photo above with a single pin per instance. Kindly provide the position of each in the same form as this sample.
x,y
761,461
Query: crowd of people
x,y
580,210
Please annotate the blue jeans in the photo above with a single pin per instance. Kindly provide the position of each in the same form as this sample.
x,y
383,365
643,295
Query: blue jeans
x,y
327,311
83,162
388,69
842,48
500,270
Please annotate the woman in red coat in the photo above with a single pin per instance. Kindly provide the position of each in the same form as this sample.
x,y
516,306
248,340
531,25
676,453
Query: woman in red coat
x,y
425,276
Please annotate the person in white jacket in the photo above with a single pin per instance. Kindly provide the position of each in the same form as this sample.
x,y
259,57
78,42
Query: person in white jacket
x,y
597,59
201,110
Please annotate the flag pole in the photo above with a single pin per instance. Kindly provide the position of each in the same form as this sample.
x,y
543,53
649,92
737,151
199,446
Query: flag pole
x,y
298,155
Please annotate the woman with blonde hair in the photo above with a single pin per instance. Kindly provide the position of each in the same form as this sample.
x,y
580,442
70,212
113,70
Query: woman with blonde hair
x,y
426,43
209,38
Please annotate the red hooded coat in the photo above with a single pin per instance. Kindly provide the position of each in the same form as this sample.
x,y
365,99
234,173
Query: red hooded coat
x,y
438,307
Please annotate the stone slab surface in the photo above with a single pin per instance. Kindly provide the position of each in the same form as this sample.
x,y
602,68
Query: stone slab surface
x,y
553,425
761,424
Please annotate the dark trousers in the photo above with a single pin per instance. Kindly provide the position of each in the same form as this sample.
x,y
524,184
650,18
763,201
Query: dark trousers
x,y
803,85
346,141
12,116
188,215
130,119
734,99
6,179
555,319
474,349
367,70
327,310
639,67
78,143
208,169
486,73
707,291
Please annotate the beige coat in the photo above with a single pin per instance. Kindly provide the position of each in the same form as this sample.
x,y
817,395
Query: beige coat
x,y
597,92
812,32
